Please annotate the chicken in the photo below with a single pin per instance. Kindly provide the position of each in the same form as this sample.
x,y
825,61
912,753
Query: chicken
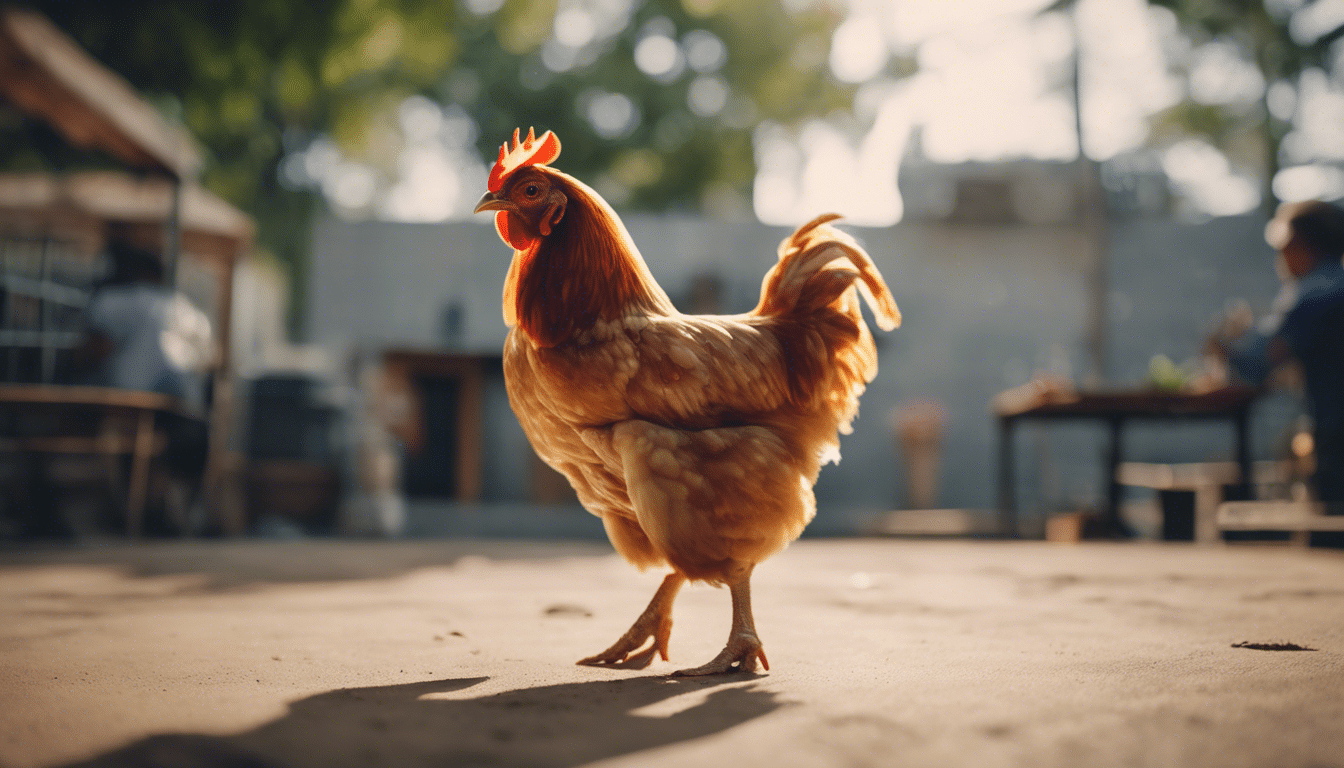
x,y
696,438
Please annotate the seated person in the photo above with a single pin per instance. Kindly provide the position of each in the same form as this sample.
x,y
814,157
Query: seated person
x,y
1306,325
141,335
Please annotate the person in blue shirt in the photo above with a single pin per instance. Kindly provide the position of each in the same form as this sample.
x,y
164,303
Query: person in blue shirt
x,y
1306,325
141,334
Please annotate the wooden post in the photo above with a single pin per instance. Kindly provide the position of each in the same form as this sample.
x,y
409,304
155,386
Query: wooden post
x,y
470,430
220,476
144,446
172,234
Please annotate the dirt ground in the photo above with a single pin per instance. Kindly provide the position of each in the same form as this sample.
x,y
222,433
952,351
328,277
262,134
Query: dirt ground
x,y
459,653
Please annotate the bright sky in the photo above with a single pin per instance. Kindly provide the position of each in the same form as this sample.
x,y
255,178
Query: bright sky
x,y
993,83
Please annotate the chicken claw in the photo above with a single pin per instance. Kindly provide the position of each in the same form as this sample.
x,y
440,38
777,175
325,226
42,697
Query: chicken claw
x,y
655,622
739,655
744,647
646,626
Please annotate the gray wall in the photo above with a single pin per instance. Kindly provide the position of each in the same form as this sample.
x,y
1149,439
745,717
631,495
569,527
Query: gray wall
x,y
984,306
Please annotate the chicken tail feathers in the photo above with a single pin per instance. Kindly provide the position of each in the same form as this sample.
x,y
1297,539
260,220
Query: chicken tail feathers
x,y
811,294
812,273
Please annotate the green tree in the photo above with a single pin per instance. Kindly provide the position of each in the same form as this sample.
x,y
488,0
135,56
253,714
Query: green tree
x,y
257,80
1264,31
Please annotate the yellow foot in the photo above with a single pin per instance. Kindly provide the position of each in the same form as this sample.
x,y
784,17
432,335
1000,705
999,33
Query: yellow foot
x,y
623,652
739,655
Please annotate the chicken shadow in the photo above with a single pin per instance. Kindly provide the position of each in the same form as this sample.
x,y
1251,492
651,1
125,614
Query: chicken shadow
x,y
551,726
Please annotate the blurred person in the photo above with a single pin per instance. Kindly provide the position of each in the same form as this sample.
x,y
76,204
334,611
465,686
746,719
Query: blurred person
x,y
143,335
1306,324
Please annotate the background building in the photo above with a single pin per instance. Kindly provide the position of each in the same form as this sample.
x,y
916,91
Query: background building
x,y
989,300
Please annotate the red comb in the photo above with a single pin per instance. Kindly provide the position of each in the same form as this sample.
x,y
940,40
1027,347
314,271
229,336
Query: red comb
x,y
529,152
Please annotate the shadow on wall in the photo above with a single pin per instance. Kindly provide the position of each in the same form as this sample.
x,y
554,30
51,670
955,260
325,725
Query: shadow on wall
x,y
555,725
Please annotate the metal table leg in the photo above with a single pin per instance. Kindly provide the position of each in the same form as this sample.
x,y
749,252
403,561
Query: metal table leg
x,y
1007,478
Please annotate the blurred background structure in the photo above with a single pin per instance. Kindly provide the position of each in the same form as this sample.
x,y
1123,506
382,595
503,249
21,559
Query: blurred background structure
x,y
1069,188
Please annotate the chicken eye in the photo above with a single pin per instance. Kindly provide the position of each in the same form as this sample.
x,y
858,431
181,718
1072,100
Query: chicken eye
x,y
531,190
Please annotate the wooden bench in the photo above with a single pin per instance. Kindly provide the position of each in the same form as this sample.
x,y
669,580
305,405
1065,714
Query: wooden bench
x,y
1205,479
1297,517
122,425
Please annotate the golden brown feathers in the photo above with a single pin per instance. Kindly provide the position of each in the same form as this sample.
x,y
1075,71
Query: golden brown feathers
x,y
695,438
585,270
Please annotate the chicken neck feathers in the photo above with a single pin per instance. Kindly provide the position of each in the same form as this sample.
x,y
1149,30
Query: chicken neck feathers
x,y
586,271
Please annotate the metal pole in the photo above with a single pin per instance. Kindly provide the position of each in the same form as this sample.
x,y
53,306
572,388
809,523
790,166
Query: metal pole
x,y
48,361
11,254
1115,492
172,235
1007,479
1092,217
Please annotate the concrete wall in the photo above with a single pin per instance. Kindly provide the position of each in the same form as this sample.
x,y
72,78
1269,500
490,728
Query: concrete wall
x,y
984,306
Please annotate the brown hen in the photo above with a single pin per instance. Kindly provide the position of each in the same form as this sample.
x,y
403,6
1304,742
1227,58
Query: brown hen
x,y
695,438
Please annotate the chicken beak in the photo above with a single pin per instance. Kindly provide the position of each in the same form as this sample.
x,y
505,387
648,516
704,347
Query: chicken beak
x,y
489,202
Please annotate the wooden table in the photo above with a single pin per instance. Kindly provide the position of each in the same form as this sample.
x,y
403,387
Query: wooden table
x,y
111,422
1115,409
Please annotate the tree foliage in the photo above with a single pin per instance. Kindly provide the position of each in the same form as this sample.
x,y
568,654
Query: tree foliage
x,y
257,80
1263,29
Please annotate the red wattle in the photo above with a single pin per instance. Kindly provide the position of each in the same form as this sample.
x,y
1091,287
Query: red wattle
x,y
508,232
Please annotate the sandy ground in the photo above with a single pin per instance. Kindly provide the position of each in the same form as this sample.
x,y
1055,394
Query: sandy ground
x,y
462,654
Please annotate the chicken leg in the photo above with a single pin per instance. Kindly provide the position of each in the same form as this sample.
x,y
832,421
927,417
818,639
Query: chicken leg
x,y
744,647
655,622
